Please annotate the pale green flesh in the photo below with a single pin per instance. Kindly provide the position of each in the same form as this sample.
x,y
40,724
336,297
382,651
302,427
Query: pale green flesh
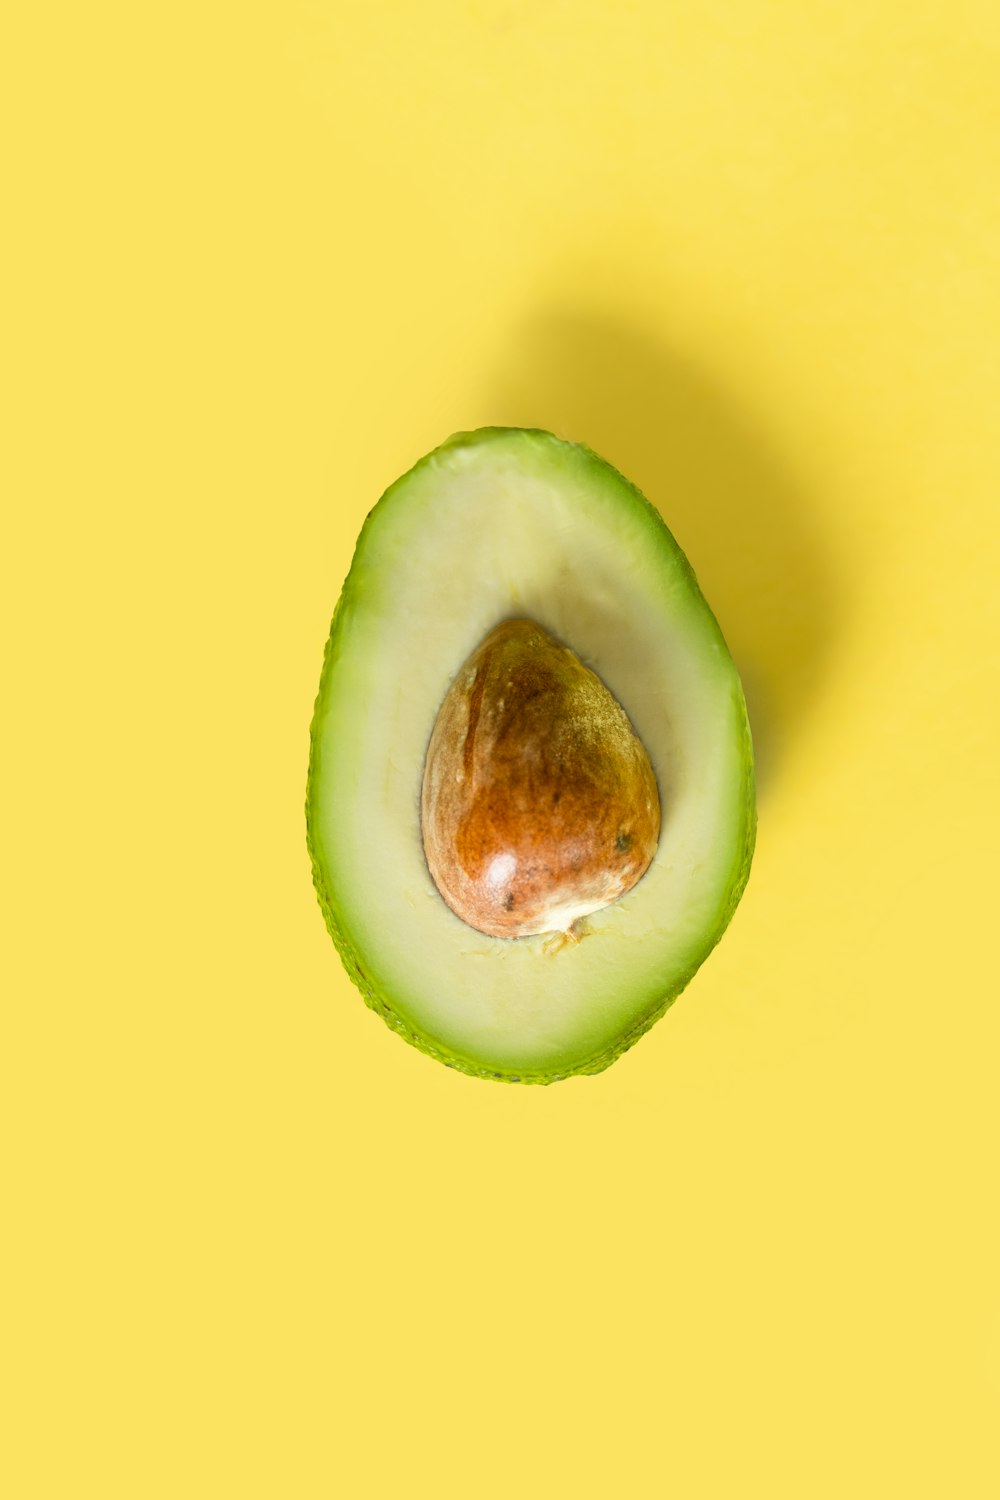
x,y
513,523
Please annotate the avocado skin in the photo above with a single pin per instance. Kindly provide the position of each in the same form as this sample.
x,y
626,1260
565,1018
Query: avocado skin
x,y
745,847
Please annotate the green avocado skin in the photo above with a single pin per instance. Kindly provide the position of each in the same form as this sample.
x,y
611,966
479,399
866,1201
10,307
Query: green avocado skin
x,y
741,865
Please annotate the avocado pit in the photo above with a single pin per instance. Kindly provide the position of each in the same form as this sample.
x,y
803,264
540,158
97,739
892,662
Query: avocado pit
x,y
539,804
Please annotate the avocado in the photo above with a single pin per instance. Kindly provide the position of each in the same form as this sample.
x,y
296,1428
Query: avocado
x,y
530,804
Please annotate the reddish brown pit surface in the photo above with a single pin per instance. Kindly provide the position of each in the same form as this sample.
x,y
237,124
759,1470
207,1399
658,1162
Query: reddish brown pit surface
x,y
539,803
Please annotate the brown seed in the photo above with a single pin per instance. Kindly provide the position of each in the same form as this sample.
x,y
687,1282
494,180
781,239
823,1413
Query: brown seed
x,y
539,803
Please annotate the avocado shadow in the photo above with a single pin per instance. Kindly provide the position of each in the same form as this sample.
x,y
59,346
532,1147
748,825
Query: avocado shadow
x,y
741,519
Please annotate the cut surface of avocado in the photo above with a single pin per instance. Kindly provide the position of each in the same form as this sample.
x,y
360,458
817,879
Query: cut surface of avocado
x,y
509,524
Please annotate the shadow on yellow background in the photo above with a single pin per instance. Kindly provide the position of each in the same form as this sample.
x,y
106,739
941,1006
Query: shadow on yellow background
x,y
743,521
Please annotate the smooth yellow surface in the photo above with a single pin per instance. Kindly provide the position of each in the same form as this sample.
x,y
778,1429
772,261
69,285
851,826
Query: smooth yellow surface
x,y
259,259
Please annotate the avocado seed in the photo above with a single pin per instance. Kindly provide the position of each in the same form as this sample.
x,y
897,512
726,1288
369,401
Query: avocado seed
x,y
539,803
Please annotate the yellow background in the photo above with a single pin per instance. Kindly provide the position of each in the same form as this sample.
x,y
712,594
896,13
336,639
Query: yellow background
x,y
260,258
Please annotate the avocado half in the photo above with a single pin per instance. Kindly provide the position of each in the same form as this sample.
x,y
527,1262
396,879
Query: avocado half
x,y
496,524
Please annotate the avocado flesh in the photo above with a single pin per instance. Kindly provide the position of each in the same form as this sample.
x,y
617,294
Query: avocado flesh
x,y
498,524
